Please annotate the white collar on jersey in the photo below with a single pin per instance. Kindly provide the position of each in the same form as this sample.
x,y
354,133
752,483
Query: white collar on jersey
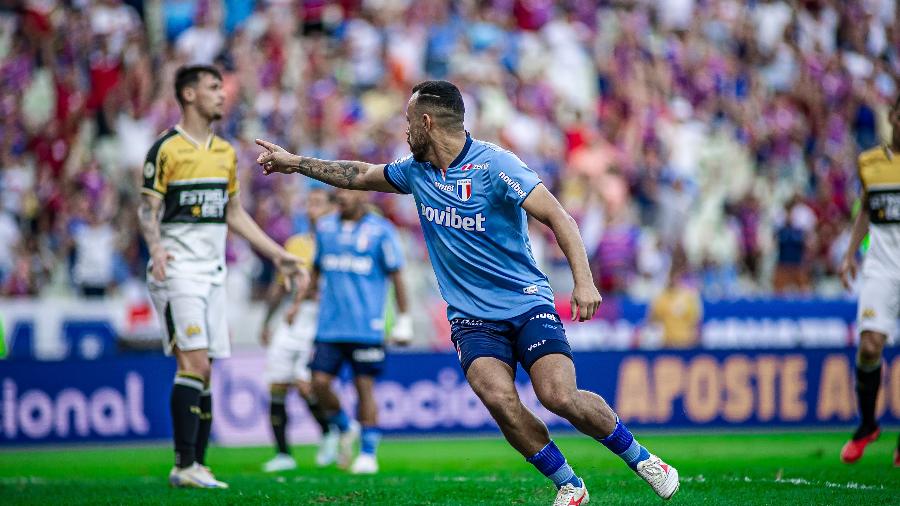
x,y
194,141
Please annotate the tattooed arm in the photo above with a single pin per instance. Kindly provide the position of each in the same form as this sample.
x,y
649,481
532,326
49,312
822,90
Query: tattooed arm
x,y
339,173
148,217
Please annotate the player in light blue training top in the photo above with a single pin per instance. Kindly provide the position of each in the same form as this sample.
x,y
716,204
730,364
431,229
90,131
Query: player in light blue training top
x,y
357,254
472,198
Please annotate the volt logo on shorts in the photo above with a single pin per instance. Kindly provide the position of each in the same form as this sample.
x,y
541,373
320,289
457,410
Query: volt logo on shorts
x,y
537,345
448,217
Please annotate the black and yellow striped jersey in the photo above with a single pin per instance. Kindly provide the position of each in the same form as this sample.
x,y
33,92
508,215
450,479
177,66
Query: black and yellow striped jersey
x,y
879,173
195,181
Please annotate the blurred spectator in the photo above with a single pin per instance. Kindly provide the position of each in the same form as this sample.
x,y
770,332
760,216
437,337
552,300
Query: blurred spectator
x,y
677,310
792,271
20,282
94,248
667,125
9,240
201,43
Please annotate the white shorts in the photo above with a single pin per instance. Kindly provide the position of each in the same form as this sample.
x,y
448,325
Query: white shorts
x,y
192,315
289,353
879,305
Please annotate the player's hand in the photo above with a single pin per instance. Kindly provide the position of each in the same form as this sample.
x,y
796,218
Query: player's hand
x,y
848,270
274,159
265,337
159,258
292,270
585,301
402,333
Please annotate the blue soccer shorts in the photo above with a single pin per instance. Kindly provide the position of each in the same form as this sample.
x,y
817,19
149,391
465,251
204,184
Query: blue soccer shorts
x,y
364,359
521,339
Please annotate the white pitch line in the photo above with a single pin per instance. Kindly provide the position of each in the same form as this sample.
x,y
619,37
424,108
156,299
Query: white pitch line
x,y
850,485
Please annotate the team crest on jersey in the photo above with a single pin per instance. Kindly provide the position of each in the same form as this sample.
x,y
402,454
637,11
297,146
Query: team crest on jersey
x,y
464,189
149,170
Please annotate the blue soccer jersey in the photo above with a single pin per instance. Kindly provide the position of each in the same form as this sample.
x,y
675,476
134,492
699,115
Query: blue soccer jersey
x,y
354,260
476,230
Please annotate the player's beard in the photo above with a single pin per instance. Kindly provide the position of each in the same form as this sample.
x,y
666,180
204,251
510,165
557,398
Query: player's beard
x,y
213,113
418,146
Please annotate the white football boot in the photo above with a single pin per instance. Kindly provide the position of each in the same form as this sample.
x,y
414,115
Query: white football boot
x,y
195,476
364,464
662,477
280,462
570,495
328,448
219,483
346,443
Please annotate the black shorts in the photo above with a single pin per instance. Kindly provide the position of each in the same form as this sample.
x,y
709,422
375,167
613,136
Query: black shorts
x,y
364,359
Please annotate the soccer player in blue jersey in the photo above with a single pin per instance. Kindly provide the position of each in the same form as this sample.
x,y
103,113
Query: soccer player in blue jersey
x,y
472,198
357,254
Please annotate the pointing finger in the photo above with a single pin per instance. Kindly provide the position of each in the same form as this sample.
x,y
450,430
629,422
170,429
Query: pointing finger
x,y
266,144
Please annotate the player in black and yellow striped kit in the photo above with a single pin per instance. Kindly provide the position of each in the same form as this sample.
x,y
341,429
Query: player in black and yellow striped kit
x,y
190,179
879,294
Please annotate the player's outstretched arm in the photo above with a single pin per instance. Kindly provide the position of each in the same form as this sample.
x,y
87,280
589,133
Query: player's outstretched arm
x,y
541,204
340,173
148,219
243,225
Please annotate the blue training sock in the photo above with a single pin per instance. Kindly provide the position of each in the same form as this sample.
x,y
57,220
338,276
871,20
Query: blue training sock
x,y
552,464
369,439
622,443
340,420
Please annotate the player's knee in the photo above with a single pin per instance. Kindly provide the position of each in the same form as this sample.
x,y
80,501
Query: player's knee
x,y
559,403
305,389
871,345
499,401
321,383
199,368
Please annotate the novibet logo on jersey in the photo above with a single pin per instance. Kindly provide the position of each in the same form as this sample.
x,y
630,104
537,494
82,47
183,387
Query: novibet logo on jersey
x,y
448,217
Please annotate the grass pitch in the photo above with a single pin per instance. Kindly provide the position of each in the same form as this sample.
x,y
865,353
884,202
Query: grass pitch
x,y
800,468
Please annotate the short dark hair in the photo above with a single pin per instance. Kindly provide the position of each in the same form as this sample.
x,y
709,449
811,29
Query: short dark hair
x,y
189,76
444,99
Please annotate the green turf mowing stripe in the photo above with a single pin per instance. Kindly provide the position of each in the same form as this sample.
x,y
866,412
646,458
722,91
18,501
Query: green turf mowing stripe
x,y
801,468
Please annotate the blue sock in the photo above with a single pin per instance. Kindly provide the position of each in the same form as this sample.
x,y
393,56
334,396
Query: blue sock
x,y
622,443
369,439
340,420
552,464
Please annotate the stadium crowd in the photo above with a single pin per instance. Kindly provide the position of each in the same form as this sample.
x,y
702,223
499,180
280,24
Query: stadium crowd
x,y
723,132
